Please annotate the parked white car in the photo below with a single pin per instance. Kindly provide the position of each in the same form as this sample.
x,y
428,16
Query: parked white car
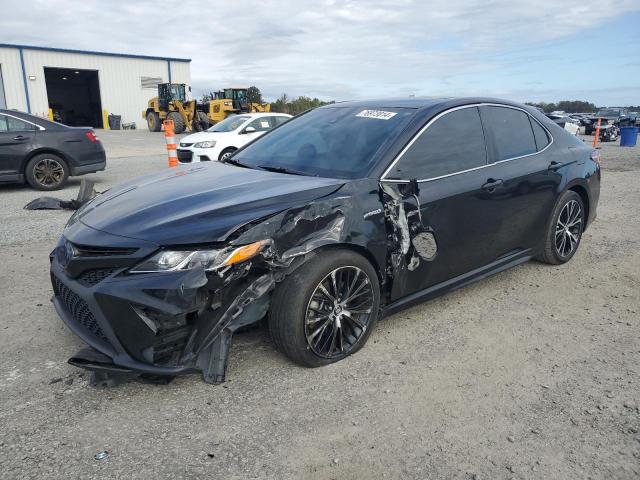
x,y
227,136
569,124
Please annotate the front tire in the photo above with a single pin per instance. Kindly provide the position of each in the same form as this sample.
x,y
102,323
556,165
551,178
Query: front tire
x,y
326,309
47,172
178,122
564,230
226,153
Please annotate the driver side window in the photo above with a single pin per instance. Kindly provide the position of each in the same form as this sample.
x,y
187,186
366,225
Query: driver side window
x,y
260,124
453,143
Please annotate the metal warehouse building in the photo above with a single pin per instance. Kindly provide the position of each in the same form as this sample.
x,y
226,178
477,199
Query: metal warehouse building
x,y
82,87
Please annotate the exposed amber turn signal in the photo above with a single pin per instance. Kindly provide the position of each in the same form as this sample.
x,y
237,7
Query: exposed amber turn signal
x,y
244,253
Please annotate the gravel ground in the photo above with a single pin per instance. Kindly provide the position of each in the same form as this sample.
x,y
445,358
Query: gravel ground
x,y
533,373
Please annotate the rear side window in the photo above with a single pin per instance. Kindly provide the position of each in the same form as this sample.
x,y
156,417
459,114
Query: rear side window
x,y
540,134
451,144
11,124
512,132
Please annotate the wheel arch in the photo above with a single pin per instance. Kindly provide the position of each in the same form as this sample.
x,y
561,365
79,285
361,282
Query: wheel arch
x,y
225,149
584,195
363,251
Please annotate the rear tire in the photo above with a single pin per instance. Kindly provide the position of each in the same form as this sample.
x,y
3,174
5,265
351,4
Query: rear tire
x,y
178,122
153,122
47,172
564,230
312,329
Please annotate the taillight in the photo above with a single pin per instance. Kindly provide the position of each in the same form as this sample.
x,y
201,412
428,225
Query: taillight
x,y
595,156
92,136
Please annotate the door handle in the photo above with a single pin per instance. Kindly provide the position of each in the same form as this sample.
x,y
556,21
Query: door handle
x,y
554,165
492,184
19,137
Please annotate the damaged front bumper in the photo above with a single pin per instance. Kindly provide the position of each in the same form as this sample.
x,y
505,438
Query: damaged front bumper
x,y
178,322
156,324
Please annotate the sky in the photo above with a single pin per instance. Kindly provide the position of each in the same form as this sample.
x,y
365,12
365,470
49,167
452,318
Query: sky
x,y
542,50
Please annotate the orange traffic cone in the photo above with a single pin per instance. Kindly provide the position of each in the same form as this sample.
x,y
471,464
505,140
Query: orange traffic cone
x,y
169,136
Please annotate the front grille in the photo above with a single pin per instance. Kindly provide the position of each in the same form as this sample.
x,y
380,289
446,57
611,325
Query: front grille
x,y
184,156
185,144
93,277
169,345
78,308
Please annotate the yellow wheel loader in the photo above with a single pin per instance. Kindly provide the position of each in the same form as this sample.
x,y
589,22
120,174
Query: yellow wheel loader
x,y
231,101
171,104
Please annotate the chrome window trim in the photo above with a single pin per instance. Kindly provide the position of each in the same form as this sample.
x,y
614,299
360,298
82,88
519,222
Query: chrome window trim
x,y
441,114
23,120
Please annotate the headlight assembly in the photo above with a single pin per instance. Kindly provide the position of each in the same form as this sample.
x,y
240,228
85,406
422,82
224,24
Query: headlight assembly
x,y
174,260
210,144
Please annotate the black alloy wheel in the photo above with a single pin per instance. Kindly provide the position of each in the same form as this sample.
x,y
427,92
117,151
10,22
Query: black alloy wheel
x,y
564,230
339,312
568,229
326,308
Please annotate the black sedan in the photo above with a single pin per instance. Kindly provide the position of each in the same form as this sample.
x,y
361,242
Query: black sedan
x,y
327,223
46,153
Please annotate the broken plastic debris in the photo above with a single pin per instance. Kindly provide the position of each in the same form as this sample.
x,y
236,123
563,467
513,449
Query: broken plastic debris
x,y
101,455
86,193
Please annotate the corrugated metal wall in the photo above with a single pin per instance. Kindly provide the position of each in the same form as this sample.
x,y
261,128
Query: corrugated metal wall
x,y
120,79
12,78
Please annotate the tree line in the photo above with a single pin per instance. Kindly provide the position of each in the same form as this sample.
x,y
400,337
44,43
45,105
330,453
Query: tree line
x,y
573,106
296,105
284,104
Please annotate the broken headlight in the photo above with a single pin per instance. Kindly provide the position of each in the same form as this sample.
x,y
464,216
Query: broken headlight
x,y
173,260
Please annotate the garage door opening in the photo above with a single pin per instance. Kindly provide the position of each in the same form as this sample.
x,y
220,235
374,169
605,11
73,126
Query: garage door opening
x,y
74,96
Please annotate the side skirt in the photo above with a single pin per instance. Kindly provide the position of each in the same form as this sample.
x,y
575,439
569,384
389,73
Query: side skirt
x,y
11,177
504,263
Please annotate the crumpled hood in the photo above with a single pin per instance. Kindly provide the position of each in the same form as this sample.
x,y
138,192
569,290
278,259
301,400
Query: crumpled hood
x,y
198,204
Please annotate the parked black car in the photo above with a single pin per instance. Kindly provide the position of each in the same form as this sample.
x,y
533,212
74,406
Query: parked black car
x,y
615,116
581,118
340,216
46,153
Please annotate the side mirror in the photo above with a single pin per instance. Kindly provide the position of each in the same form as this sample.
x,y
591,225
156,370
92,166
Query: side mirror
x,y
249,130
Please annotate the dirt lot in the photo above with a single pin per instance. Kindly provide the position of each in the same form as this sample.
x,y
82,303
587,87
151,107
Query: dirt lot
x,y
534,373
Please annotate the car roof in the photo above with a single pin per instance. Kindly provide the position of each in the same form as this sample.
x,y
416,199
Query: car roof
x,y
419,103
264,114
18,113
43,122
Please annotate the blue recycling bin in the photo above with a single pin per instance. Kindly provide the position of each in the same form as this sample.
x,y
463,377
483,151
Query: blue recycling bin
x,y
628,136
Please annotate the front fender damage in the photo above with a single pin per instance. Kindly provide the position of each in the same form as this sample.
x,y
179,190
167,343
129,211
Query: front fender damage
x,y
293,236
213,305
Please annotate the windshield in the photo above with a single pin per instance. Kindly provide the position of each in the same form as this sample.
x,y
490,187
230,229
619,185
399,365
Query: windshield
x,y
237,94
229,124
333,142
177,92
609,112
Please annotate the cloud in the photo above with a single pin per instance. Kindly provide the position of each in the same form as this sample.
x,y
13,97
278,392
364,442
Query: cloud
x,y
326,48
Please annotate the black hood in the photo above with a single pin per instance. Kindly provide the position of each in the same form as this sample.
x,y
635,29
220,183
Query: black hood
x,y
200,203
